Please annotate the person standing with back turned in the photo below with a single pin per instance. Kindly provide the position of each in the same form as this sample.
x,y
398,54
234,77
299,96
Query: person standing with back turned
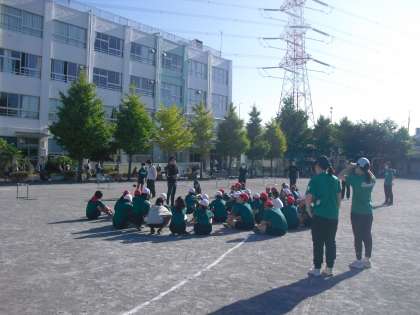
x,y
171,178
389,175
323,198
151,178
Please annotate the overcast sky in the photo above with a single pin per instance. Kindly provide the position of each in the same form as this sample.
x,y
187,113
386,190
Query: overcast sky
x,y
374,51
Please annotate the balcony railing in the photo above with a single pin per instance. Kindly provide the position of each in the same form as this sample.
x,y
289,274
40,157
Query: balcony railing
x,y
18,113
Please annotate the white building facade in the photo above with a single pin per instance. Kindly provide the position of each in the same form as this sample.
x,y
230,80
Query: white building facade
x,y
44,44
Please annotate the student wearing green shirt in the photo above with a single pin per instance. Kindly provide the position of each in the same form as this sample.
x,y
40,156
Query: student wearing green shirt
x,y
291,213
241,217
123,212
389,174
260,212
141,177
191,201
178,223
256,203
323,197
203,218
362,181
273,223
95,207
218,207
141,207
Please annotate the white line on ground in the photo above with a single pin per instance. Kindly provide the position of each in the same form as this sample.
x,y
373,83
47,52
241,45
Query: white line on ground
x,y
183,282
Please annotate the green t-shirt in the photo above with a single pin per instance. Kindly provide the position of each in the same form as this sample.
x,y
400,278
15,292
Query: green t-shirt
x,y
324,189
389,176
291,214
141,206
218,206
256,205
178,216
92,211
202,216
362,194
190,201
276,218
244,211
121,215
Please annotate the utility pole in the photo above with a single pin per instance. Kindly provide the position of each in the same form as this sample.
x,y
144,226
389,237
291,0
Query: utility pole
x,y
294,63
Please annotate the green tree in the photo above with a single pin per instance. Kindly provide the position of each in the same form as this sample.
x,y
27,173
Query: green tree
x,y
276,140
202,127
257,145
324,137
9,155
294,124
173,134
134,129
81,128
231,137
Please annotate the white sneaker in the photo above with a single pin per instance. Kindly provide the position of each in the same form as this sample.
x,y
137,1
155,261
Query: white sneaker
x,y
314,272
357,264
327,272
366,262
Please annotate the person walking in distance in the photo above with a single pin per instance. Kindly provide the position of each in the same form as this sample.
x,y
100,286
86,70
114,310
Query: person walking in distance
x,y
323,198
293,173
171,178
151,178
389,174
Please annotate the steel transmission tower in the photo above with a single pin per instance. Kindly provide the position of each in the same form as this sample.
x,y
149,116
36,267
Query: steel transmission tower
x,y
294,63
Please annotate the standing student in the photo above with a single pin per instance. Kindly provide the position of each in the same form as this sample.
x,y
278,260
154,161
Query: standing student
x,y
345,189
273,223
218,206
151,178
293,173
171,178
323,197
179,218
389,175
141,176
203,218
95,207
362,181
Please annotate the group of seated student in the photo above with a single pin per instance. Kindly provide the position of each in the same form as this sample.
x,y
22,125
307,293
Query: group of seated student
x,y
272,212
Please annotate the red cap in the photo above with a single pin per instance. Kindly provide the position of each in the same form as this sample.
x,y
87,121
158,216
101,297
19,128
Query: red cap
x,y
238,185
274,189
263,196
269,203
290,200
222,191
244,197
137,192
126,192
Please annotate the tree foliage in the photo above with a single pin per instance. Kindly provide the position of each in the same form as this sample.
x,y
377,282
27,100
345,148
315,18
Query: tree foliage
x,y
81,128
257,145
173,134
324,137
134,129
276,140
9,154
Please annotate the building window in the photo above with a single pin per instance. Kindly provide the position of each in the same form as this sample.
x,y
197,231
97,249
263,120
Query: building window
x,y
198,69
65,71
196,97
20,63
20,21
53,106
143,86
172,62
171,94
69,34
219,105
143,54
107,79
220,76
21,106
110,113
108,44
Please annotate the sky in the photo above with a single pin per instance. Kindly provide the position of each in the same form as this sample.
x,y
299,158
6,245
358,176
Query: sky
x,y
373,50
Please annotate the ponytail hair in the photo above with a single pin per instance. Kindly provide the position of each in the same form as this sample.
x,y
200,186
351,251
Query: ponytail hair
x,y
368,175
325,164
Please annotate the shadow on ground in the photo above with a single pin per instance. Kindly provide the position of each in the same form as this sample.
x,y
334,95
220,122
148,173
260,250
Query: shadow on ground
x,y
284,299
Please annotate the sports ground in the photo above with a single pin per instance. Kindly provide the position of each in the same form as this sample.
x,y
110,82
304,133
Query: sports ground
x,y
53,261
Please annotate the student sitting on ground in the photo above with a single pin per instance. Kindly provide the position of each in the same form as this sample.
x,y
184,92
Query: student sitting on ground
x,y
260,212
291,213
268,192
191,201
256,203
179,218
241,217
141,206
296,194
159,216
218,207
203,218
123,212
274,223
95,207
278,204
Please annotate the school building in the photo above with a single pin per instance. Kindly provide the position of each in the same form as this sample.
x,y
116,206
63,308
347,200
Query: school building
x,y
44,44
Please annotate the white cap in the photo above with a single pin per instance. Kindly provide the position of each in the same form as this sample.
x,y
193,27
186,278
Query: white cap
x,y
248,191
236,194
204,202
205,196
256,195
363,162
163,196
191,190
219,194
128,197
146,191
